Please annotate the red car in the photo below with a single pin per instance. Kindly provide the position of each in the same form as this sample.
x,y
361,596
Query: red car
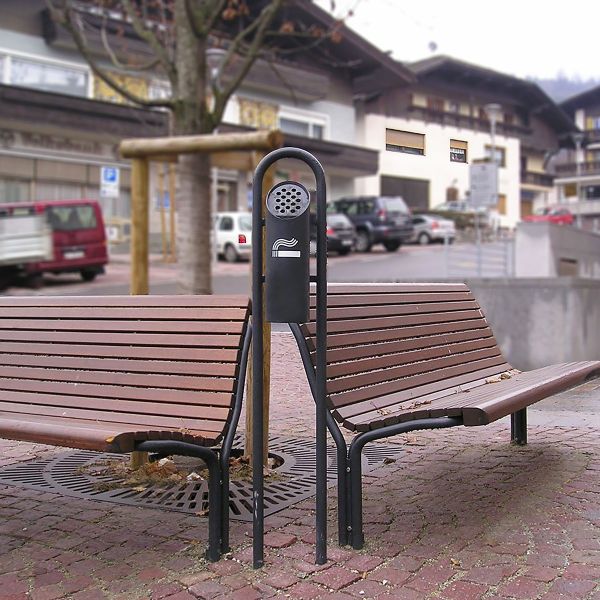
x,y
551,214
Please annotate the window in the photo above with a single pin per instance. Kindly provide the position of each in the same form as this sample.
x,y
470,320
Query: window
x,y
509,118
305,127
226,224
436,104
404,141
453,107
71,218
49,77
501,206
458,151
245,223
500,155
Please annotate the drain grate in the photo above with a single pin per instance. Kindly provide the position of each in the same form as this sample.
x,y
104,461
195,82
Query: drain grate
x,y
66,474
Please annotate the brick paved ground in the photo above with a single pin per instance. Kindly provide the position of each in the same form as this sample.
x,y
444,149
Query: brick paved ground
x,y
462,516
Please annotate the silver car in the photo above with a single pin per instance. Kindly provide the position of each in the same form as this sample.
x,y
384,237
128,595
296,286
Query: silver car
x,y
429,229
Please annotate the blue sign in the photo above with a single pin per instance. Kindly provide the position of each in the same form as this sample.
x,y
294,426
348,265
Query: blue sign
x,y
109,182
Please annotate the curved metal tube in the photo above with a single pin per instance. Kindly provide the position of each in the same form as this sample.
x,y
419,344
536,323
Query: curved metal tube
x,y
338,438
228,441
209,456
354,460
257,352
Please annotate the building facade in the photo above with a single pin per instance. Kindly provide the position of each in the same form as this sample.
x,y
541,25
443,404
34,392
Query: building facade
x,y
430,132
578,171
59,123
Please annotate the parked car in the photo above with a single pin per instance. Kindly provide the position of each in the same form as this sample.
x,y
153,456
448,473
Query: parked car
x,y
234,235
429,229
78,237
341,233
462,213
378,220
551,214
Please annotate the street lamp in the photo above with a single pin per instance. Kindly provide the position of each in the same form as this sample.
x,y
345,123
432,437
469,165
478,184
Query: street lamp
x,y
578,140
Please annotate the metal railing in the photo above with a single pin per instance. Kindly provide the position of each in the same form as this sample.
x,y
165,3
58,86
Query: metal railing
x,y
491,257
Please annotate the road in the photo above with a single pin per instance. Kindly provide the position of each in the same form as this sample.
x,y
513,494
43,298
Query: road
x,y
409,263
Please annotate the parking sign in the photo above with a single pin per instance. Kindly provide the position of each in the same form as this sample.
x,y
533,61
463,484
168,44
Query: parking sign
x,y
484,184
109,182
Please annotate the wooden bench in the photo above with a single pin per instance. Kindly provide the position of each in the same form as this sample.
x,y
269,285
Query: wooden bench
x,y
416,356
158,374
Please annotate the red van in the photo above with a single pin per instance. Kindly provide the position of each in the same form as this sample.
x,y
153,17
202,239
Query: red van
x,y
78,236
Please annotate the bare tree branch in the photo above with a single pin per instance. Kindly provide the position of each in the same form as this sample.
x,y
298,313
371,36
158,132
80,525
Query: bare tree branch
x,y
68,19
152,40
113,57
202,21
260,25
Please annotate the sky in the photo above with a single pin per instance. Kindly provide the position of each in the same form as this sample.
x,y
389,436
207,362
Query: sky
x,y
526,38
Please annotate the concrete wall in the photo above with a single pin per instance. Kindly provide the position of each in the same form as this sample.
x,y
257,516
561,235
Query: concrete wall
x,y
546,250
539,322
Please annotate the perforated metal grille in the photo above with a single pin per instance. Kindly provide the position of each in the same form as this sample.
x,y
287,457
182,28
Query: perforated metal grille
x,y
67,474
288,199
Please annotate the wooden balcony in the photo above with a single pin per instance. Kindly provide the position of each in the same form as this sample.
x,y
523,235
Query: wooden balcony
x,y
443,117
539,179
586,168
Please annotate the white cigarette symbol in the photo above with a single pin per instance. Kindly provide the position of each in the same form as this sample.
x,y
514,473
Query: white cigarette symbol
x,y
276,253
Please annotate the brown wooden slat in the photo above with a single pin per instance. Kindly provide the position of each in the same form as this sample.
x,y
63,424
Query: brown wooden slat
x,y
103,350
127,339
388,387
119,312
378,349
156,415
382,362
90,391
389,310
176,301
390,288
353,325
374,299
381,335
88,435
119,365
152,380
405,370
387,410
141,326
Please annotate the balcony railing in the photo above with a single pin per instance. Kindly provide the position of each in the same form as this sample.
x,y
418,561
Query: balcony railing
x,y
444,117
592,136
586,168
533,178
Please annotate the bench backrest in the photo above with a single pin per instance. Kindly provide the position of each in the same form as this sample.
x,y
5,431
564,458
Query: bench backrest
x,y
158,361
388,339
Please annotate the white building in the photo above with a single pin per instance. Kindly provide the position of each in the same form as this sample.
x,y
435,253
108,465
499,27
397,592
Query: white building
x,y
429,133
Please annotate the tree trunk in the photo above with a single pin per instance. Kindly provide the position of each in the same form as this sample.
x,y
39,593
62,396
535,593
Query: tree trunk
x,y
190,117
194,224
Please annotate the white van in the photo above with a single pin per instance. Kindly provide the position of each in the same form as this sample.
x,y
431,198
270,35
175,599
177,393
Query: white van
x,y
234,235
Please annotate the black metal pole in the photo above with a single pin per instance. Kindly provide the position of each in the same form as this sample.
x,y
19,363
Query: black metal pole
x,y
257,351
321,364
257,369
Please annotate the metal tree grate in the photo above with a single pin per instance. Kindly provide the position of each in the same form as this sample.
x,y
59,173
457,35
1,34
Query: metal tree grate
x,y
66,474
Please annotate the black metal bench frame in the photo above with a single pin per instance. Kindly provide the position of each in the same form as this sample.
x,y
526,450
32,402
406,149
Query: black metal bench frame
x,y
349,471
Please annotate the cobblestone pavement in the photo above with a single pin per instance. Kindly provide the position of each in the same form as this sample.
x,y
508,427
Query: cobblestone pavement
x,y
461,515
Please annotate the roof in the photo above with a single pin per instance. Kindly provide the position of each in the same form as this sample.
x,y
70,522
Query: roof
x,y
489,81
363,58
581,100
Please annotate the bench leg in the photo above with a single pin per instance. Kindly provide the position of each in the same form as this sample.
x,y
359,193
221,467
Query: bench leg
x,y
343,497
518,427
357,538
225,510
215,507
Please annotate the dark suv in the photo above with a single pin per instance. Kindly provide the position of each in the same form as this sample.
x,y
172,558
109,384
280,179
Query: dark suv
x,y
378,220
